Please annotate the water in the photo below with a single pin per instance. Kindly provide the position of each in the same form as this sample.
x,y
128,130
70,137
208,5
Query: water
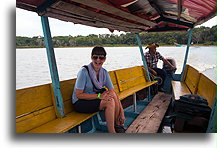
x,y
32,67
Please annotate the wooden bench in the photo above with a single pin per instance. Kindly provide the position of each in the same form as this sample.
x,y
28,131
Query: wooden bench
x,y
195,83
207,89
189,85
151,117
131,80
36,112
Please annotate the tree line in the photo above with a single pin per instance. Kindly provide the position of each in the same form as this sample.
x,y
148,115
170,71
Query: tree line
x,y
202,35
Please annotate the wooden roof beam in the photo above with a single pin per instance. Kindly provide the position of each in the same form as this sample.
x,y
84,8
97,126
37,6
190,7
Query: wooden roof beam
x,y
179,9
70,8
109,9
89,23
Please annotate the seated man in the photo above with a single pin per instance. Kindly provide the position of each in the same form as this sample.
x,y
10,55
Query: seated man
x,y
152,57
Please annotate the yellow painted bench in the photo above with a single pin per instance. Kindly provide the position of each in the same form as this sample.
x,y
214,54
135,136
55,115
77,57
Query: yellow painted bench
x,y
36,113
189,85
195,83
131,80
207,89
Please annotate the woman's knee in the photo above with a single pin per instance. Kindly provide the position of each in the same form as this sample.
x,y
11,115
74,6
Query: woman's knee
x,y
110,104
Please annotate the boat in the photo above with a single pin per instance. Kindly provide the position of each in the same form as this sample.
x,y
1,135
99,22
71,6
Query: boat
x,y
48,108
179,45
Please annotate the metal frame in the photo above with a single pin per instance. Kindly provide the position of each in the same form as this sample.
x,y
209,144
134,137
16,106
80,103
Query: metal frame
x,y
144,64
186,53
134,102
53,67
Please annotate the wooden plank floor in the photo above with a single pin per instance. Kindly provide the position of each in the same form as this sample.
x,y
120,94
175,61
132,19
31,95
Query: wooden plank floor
x,y
150,118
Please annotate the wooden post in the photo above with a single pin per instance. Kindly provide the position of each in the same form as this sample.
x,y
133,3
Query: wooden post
x,y
53,68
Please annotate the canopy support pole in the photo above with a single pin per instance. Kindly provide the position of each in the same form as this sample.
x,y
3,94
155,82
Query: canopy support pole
x,y
186,54
144,64
53,67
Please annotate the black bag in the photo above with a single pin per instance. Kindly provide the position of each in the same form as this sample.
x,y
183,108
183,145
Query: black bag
x,y
192,112
96,89
192,105
100,90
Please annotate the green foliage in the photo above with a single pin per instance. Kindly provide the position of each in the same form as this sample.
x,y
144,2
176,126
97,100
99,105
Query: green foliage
x,y
202,36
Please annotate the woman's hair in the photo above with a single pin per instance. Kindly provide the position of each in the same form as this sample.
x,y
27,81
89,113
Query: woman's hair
x,y
98,50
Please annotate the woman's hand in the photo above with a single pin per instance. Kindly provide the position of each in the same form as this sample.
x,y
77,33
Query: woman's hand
x,y
107,96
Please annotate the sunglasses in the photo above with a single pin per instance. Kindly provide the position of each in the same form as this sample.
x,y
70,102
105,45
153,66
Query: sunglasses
x,y
101,57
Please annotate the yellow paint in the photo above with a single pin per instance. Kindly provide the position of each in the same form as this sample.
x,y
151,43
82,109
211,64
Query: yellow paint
x,y
130,77
37,104
192,79
207,89
195,83
129,73
113,77
36,119
33,98
62,125
114,80
68,106
134,89
67,88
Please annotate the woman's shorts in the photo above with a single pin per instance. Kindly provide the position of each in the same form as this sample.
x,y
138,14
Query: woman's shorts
x,y
87,106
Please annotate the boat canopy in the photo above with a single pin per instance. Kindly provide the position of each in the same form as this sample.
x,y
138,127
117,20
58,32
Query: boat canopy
x,y
126,15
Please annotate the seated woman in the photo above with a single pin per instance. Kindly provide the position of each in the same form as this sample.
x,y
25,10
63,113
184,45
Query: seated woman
x,y
152,57
87,97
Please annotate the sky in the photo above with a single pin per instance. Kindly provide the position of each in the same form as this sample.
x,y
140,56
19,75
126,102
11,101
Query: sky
x,y
27,24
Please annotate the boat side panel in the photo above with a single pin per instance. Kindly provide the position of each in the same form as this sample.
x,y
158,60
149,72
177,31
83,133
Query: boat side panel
x,y
35,119
192,79
31,99
207,89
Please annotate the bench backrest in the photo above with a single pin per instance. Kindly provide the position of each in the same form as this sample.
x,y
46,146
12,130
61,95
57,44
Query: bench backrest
x,y
114,80
192,78
207,89
130,77
67,88
32,103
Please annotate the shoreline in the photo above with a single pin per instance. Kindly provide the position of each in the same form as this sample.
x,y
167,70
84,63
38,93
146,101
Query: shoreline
x,y
198,45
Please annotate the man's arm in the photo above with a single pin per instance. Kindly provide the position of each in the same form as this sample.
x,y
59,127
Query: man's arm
x,y
168,63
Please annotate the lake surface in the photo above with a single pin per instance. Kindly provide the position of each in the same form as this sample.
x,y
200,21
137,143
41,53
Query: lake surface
x,y
32,66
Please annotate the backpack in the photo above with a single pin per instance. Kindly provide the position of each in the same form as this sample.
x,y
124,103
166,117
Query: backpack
x,y
192,112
